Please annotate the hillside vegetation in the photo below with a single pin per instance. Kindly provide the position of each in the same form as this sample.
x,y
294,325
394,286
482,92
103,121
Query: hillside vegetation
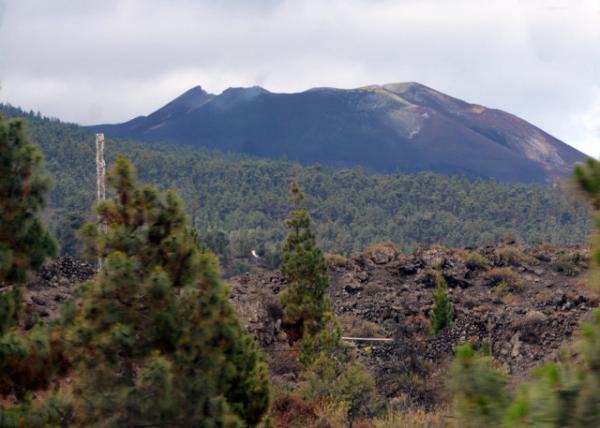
x,y
239,202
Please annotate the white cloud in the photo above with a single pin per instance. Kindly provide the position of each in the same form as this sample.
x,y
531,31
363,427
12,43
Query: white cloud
x,y
93,62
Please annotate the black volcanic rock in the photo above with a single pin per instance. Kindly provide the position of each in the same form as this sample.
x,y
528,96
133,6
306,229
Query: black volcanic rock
x,y
404,126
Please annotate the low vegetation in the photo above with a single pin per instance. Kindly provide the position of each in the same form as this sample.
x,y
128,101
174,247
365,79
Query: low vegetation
x,y
503,276
475,261
355,327
512,256
570,263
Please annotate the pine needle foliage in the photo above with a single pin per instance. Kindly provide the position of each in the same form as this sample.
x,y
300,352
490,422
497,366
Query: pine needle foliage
x,y
479,393
24,242
156,340
442,311
303,266
28,359
587,177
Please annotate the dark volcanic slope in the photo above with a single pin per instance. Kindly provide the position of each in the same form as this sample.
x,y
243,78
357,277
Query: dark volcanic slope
x,y
405,126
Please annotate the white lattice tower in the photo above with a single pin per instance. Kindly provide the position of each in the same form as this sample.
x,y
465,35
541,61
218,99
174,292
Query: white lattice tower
x,y
100,168
100,179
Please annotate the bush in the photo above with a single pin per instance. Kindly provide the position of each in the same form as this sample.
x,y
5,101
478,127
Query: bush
x,y
503,276
511,256
240,267
372,289
475,261
332,380
571,263
358,327
382,252
335,260
291,410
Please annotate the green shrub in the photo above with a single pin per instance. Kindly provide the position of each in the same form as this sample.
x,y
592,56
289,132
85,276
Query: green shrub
x,y
240,267
338,380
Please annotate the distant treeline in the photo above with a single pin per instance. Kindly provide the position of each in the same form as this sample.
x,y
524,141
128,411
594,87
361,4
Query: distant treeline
x,y
238,202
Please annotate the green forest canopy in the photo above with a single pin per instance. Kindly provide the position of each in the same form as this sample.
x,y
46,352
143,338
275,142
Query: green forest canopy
x,y
239,202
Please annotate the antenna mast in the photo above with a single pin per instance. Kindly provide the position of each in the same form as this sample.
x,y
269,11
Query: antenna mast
x,y
100,180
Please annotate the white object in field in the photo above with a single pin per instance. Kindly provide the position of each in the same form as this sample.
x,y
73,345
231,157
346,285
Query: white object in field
x,y
256,256
367,339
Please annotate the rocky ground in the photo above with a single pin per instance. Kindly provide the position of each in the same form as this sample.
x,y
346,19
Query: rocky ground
x,y
52,286
522,303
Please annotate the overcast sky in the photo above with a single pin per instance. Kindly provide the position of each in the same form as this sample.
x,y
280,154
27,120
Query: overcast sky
x,y
108,61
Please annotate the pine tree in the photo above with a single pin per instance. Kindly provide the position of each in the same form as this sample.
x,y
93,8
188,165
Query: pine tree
x,y
303,266
442,311
587,177
156,340
24,242
28,360
480,398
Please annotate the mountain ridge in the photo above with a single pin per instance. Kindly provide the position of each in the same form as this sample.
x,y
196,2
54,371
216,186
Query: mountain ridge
x,y
382,128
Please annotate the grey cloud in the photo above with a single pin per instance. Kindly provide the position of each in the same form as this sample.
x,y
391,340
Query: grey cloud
x,y
93,62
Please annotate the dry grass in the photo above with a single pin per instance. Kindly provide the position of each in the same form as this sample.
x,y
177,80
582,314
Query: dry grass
x,y
334,415
504,278
291,410
475,261
570,263
358,327
386,245
335,260
372,289
412,419
512,256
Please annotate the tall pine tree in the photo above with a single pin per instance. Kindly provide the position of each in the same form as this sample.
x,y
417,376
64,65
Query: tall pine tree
x,y
24,242
157,342
587,177
442,310
28,359
303,266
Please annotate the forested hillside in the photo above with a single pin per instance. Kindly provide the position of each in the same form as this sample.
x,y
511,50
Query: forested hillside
x,y
238,202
